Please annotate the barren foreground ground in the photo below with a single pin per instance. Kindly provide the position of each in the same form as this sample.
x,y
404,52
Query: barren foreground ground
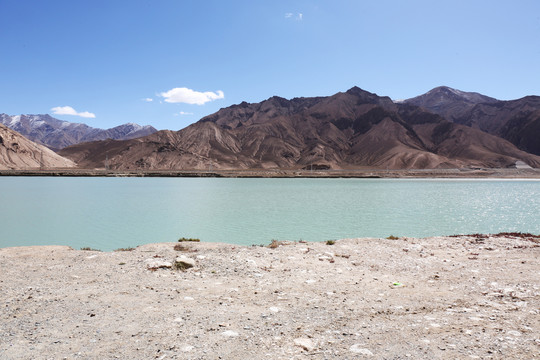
x,y
433,298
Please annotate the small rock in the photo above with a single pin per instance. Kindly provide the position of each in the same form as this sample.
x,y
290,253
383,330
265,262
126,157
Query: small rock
x,y
274,309
183,262
158,264
229,333
304,343
188,298
357,349
187,348
514,333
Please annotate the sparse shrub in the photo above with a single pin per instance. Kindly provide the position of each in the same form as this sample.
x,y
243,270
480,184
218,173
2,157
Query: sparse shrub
x,y
180,247
183,239
392,237
122,263
125,249
89,249
274,244
330,242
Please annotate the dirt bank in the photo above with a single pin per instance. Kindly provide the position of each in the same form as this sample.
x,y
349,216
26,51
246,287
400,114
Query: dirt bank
x,y
433,298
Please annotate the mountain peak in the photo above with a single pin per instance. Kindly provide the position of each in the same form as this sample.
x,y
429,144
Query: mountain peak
x,y
442,95
355,90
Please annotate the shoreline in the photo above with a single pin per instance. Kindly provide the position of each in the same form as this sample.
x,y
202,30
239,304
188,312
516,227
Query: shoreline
x,y
286,173
469,296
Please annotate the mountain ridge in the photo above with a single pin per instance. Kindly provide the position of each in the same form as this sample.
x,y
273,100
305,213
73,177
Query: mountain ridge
x,y
351,129
517,121
57,134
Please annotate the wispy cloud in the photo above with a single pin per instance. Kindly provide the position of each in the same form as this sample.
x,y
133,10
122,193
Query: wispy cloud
x,y
182,113
68,110
298,17
188,96
148,99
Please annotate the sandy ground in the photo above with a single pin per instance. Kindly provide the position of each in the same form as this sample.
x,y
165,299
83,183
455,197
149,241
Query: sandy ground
x,y
434,298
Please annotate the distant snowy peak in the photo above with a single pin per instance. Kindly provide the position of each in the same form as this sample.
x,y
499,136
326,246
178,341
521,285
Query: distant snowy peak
x,y
57,134
472,97
443,95
132,128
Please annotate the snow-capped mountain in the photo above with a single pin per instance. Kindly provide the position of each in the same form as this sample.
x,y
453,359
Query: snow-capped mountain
x,y
443,96
57,134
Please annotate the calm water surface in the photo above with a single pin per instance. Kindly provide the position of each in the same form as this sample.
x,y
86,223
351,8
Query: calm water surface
x,y
109,213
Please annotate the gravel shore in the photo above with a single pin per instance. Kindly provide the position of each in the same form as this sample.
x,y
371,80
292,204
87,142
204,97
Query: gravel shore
x,y
468,297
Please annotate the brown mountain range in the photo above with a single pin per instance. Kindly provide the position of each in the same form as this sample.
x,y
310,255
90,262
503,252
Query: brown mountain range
x,y
353,129
517,121
17,152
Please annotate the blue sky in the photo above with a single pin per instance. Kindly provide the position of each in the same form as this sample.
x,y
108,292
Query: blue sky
x,y
168,63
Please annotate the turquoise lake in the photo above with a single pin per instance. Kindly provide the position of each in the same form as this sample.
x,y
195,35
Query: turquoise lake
x,y
111,213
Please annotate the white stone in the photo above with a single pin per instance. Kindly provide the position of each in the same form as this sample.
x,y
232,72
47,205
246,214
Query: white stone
x,y
187,348
304,343
185,262
229,333
358,349
274,309
158,264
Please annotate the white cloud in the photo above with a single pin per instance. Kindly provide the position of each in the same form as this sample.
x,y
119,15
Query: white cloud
x,y
148,99
183,113
68,110
188,96
298,17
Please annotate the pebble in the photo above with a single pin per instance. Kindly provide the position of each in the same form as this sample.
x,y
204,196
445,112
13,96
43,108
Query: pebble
x,y
158,264
358,349
304,343
229,333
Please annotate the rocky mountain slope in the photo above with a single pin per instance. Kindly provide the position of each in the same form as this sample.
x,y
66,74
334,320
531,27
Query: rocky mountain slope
x,y
517,121
57,134
353,129
17,152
